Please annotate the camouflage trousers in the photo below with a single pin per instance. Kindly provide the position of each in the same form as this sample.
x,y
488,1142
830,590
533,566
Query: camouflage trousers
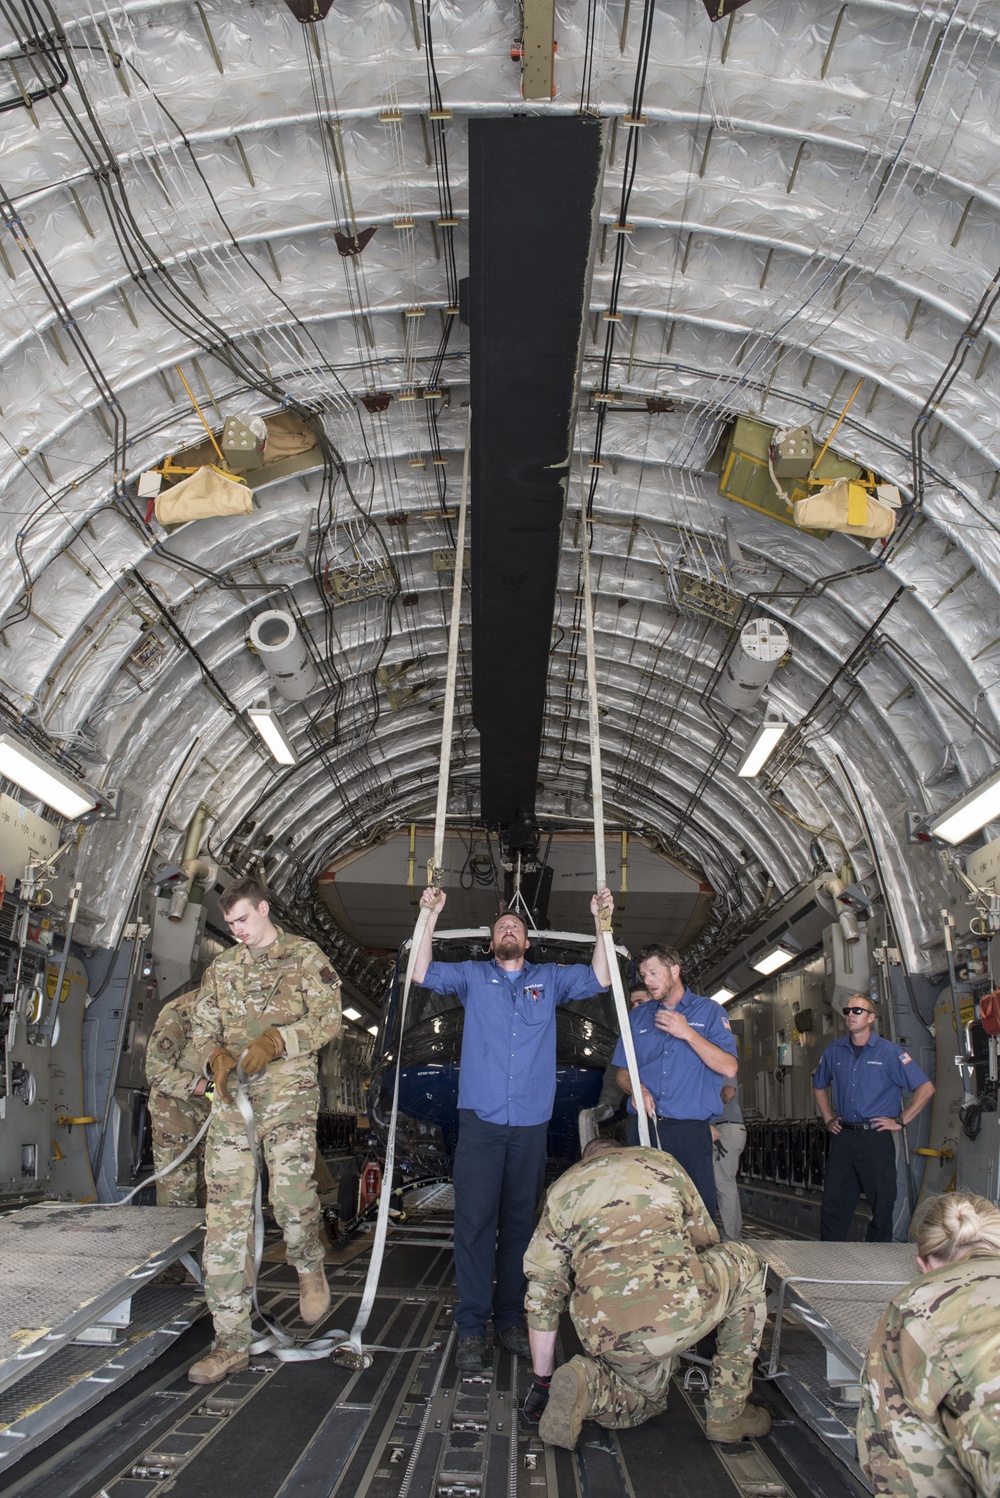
x,y
285,1129
630,1385
910,1458
175,1121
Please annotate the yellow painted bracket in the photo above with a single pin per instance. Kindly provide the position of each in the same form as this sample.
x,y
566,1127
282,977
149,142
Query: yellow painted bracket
x,y
169,470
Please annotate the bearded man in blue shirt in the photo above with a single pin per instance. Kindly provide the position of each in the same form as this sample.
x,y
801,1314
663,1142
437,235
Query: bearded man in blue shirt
x,y
684,1049
868,1076
506,1089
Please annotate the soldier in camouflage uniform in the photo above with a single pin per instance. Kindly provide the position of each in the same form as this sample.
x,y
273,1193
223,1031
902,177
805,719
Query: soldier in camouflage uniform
x,y
929,1424
271,1003
625,1241
177,1104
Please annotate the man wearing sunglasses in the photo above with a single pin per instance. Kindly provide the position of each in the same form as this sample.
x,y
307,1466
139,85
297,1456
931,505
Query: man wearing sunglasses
x,y
868,1076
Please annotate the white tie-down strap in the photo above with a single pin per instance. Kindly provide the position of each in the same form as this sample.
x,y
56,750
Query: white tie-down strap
x,y
123,1201
600,856
382,1219
278,1342
454,630
423,915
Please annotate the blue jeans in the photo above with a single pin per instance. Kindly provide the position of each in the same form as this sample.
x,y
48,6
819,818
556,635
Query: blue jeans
x,y
499,1173
689,1140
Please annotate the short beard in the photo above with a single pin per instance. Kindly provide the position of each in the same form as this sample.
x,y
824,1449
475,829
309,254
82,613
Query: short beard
x,y
509,948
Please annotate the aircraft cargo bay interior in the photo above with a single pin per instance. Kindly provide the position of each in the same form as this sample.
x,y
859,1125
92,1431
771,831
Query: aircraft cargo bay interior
x,y
499,748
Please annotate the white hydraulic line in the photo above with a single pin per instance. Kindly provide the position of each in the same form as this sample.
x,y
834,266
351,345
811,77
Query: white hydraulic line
x,y
434,871
600,856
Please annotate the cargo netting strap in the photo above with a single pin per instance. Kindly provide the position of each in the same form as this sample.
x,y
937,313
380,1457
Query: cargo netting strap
x,y
600,855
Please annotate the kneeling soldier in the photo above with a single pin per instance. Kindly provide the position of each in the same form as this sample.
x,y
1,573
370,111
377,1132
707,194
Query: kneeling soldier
x,y
625,1240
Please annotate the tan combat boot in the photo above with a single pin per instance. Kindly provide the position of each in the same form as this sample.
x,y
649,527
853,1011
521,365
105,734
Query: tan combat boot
x,y
314,1295
219,1362
568,1406
751,1421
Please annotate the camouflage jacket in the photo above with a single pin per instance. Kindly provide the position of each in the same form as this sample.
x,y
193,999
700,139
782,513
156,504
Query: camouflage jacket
x,y
934,1361
290,986
618,1242
172,1063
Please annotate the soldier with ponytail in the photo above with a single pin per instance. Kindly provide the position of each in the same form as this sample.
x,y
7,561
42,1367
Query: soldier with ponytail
x,y
929,1424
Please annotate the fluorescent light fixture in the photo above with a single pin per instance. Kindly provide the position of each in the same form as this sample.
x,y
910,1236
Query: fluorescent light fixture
x,y
723,994
352,1013
373,1029
780,955
268,725
765,741
40,778
970,813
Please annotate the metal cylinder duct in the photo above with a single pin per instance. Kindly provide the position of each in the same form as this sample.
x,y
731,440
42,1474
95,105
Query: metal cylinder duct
x,y
283,653
753,661
193,867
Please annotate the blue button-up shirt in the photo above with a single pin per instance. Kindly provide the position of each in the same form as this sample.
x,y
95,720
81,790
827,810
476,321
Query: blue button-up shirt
x,y
508,1068
868,1080
683,1086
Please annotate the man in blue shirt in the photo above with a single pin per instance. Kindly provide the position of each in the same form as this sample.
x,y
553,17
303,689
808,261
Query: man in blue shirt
x,y
506,1089
869,1076
684,1049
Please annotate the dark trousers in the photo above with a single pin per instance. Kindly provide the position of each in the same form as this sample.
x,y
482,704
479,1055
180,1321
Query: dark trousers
x,y
689,1140
499,1174
859,1160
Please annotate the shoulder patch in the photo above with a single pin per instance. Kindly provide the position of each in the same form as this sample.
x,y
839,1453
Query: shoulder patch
x,y
328,975
905,1058
726,1022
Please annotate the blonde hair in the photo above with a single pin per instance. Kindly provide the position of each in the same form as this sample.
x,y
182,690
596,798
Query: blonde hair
x,y
954,1224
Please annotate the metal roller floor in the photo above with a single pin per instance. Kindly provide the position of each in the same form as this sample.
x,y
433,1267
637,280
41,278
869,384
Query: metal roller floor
x,y
407,1427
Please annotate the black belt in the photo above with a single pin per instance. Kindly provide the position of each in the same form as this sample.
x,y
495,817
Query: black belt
x,y
874,1127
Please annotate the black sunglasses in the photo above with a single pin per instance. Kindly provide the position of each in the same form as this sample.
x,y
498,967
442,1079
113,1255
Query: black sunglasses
x,y
858,1010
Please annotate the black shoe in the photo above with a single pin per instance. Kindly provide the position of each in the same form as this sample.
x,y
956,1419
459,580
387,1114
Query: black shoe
x,y
514,1339
471,1355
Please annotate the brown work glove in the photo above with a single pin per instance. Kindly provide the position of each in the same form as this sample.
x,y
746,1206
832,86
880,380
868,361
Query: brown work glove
x,y
221,1063
267,1047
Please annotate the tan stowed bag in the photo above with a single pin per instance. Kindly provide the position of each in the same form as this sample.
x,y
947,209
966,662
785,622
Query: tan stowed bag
x,y
844,506
287,435
207,492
